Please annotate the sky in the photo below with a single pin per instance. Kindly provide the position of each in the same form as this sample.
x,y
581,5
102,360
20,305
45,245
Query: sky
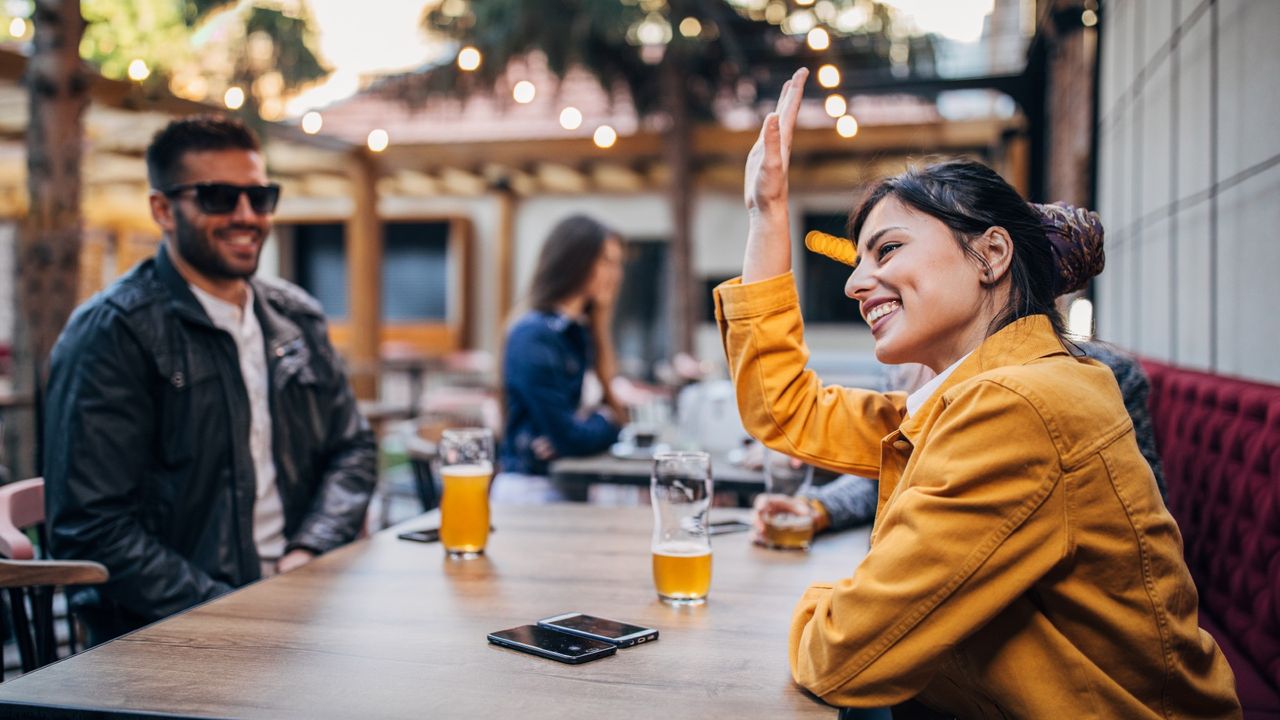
x,y
362,38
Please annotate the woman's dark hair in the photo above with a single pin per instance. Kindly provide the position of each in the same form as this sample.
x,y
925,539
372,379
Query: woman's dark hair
x,y
970,198
566,261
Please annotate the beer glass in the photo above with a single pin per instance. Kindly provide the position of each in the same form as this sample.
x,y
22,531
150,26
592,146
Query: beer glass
x,y
680,488
784,528
466,467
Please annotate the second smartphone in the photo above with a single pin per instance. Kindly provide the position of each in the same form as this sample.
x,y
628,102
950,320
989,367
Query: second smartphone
x,y
553,644
611,631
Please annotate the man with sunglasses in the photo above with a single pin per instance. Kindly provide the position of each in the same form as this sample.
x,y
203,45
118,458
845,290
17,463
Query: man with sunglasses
x,y
200,432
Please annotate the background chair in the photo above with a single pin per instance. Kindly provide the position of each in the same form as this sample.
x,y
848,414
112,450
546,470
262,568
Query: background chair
x,y
31,582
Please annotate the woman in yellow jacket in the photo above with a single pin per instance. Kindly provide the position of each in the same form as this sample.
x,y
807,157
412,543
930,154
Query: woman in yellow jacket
x,y
1022,562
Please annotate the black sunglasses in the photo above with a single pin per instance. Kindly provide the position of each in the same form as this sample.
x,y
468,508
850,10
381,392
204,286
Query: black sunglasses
x,y
222,198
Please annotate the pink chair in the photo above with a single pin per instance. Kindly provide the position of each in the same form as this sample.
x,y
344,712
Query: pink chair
x,y
31,581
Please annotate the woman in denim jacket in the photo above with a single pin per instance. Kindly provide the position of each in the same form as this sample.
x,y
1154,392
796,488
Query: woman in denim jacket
x,y
548,352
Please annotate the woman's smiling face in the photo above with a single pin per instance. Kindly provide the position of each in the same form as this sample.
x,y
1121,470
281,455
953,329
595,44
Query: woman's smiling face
x,y
922,295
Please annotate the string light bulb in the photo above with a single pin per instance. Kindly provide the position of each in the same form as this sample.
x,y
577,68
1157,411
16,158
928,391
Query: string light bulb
x,y
605,137
818,39
835,105
468,58
378,140
571,118
312,122
138,70
524,92
828,76
233,98
847,126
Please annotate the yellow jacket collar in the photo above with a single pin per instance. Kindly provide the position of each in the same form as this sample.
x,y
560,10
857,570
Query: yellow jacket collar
x,y
1018,343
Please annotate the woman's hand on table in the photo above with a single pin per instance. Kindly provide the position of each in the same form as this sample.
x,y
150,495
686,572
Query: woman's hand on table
x,y
542,448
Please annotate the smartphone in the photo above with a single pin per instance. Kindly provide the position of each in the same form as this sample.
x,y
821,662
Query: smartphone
x,y
553,644
610,631
724,527
425,535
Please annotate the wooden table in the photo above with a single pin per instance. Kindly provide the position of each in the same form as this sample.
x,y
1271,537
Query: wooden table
x,y
386,628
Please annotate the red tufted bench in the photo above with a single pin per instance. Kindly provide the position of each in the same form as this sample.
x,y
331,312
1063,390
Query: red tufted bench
x,y
1219,441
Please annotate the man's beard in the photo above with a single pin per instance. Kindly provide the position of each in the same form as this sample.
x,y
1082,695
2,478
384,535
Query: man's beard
x,y
198,250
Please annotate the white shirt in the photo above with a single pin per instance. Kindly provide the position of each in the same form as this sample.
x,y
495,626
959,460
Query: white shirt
x,y
242,325
918,398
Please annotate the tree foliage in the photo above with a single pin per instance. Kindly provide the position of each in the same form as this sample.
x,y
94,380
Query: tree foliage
x,y
202,47
735,53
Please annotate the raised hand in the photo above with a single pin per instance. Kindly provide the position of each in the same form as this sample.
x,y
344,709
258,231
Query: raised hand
x,y
767,164
765,189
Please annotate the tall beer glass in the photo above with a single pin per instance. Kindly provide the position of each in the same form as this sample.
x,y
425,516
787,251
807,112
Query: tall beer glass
x,y
466,467
681,490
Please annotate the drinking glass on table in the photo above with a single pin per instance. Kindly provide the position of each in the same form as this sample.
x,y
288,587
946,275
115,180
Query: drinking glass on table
x,y
466,467
681,490
785,528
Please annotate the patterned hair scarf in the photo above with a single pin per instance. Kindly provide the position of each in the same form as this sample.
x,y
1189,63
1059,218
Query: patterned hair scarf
x,y
1076,237
1075,234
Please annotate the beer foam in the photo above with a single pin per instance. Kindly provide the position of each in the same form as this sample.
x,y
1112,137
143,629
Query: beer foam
x,y
682,549
472,470
790,521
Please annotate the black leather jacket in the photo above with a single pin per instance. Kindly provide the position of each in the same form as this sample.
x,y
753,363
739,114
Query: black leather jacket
x,y
147,465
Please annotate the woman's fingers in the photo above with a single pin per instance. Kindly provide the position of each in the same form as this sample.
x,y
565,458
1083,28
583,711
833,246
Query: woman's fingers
x,y
772,141
789,108
782,97
769,157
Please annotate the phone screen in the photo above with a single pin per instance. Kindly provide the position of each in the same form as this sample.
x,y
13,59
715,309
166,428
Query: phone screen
x,y
596,626
551,643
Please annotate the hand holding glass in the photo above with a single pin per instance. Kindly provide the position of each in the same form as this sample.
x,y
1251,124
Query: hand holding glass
x,y
466,467
788,521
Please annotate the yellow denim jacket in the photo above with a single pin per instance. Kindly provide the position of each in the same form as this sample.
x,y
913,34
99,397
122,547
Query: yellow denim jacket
x,y
1022,562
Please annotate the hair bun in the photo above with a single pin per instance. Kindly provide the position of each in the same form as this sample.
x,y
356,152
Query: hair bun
x,y
1076,237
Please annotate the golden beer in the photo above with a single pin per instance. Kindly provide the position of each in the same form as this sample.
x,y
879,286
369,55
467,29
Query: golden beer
x,y
682,571
464,508
788,531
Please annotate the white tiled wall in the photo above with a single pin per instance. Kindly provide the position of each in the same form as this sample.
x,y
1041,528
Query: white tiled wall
x,y
1191,303
1248,277
8,297
1192,276
1248,83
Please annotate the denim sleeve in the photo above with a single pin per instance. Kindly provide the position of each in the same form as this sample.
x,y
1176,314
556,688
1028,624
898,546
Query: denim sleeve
x,y
850,500
538,380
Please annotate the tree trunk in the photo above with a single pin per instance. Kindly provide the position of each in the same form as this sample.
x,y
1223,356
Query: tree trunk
x,y
49,241
678,149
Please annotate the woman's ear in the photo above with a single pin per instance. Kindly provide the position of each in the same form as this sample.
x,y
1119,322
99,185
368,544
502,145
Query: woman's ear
x,y
996,248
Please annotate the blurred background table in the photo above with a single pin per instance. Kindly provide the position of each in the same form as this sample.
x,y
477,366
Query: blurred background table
x,y
606,468
387,628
